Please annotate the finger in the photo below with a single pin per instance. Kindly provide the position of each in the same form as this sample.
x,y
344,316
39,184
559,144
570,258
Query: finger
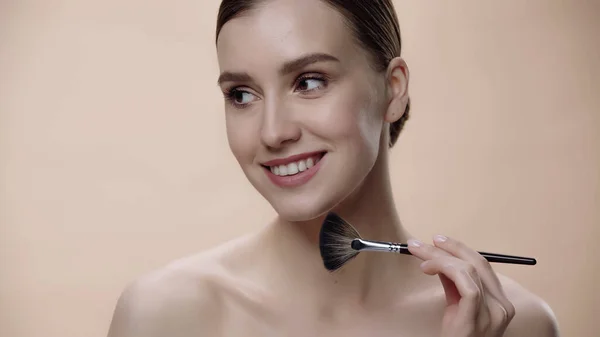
x,y
452,294
500,315
502,309
465,278
425,251
484,268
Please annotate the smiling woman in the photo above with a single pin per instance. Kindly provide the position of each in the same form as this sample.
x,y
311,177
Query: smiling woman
x,y
316,93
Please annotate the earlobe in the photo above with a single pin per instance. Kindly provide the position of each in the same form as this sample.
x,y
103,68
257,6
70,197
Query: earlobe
x,y
397,83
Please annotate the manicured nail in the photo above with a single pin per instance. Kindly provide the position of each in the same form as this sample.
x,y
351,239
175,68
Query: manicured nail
x,y
440,238
415,243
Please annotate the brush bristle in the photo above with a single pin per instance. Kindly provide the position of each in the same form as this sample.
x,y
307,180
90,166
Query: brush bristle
x,y
335,241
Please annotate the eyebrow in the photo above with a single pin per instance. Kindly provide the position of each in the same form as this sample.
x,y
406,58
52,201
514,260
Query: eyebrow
x,y
287,68
306,60
233,77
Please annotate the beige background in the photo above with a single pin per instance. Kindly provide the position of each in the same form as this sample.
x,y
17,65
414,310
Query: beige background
x,y
114,158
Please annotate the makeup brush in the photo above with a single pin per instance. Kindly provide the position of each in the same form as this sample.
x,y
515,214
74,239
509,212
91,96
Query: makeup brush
x,y
340,242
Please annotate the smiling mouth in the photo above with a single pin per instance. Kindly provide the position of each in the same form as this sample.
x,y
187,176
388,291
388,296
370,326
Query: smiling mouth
x,y
295,167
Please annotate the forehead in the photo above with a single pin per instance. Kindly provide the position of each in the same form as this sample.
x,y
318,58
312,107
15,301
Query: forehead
x,y
279,30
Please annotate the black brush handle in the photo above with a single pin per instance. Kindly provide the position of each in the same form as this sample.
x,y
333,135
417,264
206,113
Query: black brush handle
x,y
501,258
491,257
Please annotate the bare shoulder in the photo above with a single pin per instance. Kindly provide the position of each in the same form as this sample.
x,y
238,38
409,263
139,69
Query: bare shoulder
x,y
170,297
533,316
181,299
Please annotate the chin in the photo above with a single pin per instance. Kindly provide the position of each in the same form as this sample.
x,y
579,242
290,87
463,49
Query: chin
x,y
314,201
328,189
302,210
303,204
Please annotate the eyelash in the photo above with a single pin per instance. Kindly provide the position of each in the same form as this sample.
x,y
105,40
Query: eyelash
x,y
230,93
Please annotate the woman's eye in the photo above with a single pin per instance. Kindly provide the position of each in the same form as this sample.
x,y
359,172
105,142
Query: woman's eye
x,y
309,84
240,97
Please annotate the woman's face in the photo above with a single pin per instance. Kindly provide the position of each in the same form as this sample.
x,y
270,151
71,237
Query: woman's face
x,y
304,107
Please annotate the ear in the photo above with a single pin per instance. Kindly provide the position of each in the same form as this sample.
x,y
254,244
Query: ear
x,y
397,88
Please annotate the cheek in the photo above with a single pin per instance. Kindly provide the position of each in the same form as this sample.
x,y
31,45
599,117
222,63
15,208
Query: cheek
x,y
241,137
354,119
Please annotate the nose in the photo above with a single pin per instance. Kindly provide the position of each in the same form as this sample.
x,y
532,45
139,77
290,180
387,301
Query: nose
x,y
278,127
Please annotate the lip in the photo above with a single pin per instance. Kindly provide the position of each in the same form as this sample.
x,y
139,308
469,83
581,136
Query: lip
x,y
298,179
291,159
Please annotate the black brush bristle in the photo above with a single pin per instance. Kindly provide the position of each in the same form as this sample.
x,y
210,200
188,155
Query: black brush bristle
x,y
335,242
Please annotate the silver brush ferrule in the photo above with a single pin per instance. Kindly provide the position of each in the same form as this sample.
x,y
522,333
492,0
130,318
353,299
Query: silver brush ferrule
x,y
378,246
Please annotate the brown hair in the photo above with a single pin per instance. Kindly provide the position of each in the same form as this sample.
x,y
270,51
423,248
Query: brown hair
x,y
373,22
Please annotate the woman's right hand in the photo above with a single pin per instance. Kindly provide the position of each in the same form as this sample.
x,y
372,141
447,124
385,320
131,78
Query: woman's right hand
x,y
476,305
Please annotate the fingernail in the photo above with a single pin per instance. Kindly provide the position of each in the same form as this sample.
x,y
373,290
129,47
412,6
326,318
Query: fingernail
x,y
415,243
440,238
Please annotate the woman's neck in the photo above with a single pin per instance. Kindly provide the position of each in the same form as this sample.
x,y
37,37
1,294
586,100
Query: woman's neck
x,y
367,278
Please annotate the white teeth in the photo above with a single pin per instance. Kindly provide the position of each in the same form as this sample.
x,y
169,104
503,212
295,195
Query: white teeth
x,y
294,168
302,166
283,170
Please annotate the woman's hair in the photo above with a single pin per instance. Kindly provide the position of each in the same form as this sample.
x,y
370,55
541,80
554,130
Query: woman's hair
x,y
374,25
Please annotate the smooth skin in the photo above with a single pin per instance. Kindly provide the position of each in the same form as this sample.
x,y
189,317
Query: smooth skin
x,y
476,304
284,100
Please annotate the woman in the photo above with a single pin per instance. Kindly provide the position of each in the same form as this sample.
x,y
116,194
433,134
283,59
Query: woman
x,y
316,93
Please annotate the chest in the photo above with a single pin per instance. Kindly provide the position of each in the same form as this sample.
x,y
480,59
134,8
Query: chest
x,y
301,323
